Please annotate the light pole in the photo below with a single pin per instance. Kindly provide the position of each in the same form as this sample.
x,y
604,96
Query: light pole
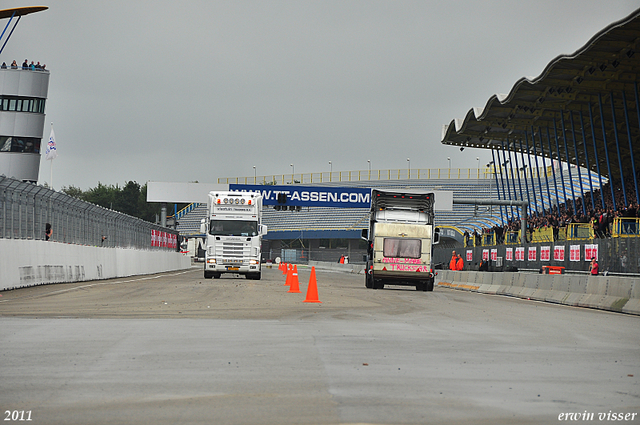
x,y
369,163
330,170
255,178
408,168
478,159
449,159
292,172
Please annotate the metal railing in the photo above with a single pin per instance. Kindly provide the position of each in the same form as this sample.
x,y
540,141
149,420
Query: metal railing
x,y
482,173
580,232
625,227
26,209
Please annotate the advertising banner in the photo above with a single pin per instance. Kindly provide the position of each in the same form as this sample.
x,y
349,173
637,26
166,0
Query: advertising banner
x,y
558,253
494,254
508,256
469,255
311,196
520,253
533,253
574,253
545,253
485,254
590,251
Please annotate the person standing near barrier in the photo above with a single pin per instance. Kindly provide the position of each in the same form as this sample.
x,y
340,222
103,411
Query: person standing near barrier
x,y
459,263
453,262
47,231
593,267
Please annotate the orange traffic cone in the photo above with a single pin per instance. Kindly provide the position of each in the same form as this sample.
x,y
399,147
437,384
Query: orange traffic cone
x,y
295,284
287,281
312,290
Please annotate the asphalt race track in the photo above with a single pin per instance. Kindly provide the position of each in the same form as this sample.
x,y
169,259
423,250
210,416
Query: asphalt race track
x,y
178,349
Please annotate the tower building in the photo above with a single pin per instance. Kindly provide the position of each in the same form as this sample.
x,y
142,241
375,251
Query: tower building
x,y
23,94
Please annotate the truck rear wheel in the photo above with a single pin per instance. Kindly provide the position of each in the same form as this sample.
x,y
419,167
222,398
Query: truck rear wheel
x,y
368,281
208,275
429,285
378,284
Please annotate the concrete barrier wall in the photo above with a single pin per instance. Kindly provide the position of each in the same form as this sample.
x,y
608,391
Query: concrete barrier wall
x,y
613,293
33,262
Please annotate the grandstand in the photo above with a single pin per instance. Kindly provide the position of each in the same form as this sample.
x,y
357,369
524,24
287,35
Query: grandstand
x,y
326,223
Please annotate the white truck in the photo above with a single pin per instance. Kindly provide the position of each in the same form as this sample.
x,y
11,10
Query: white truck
x,y
233,234
400,239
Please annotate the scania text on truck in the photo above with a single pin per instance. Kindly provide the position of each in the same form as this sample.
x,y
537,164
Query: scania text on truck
x,y
234,231
400,239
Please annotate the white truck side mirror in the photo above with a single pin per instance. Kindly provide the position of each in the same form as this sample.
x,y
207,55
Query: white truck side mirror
x,y
263,229
203,225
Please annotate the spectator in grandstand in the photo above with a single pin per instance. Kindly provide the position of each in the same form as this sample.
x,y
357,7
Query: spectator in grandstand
x,y
14,65
593,267
4,65
25,64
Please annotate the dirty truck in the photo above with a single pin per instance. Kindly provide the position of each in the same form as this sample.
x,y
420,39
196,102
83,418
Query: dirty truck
x,y
400,237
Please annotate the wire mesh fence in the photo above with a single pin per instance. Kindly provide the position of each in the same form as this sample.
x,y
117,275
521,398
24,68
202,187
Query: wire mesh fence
x,y
28,210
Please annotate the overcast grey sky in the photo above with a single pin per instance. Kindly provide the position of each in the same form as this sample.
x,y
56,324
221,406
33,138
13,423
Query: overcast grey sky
x,y
197,90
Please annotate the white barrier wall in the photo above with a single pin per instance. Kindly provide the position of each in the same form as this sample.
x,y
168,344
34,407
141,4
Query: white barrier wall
x,y
34,262
613,293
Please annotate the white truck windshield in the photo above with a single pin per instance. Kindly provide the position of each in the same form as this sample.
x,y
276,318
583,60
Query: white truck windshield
x,y
233,228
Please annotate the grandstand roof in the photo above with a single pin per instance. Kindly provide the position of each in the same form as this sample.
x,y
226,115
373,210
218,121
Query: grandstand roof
x,y
602,71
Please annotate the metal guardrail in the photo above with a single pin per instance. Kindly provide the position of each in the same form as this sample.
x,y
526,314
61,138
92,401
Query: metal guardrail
x,y
26,209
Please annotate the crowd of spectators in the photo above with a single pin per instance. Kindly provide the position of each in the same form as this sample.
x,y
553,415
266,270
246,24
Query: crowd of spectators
x,y
599,218
25,65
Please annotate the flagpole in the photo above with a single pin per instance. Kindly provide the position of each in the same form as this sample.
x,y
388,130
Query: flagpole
x,y
51,168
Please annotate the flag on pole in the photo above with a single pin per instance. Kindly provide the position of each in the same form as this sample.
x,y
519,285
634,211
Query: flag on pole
x,y
51,151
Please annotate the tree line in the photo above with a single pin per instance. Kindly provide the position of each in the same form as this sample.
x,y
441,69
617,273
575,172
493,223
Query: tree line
x,y
129,199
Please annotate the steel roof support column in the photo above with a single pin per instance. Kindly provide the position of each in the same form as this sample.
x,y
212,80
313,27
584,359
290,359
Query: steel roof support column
x,y
493,157
606,151
513,180
553,170
595,151
533,182
615,133
503,162
586,156
535,154
566,151
11,32
575,149
515,155
524,166
633,164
